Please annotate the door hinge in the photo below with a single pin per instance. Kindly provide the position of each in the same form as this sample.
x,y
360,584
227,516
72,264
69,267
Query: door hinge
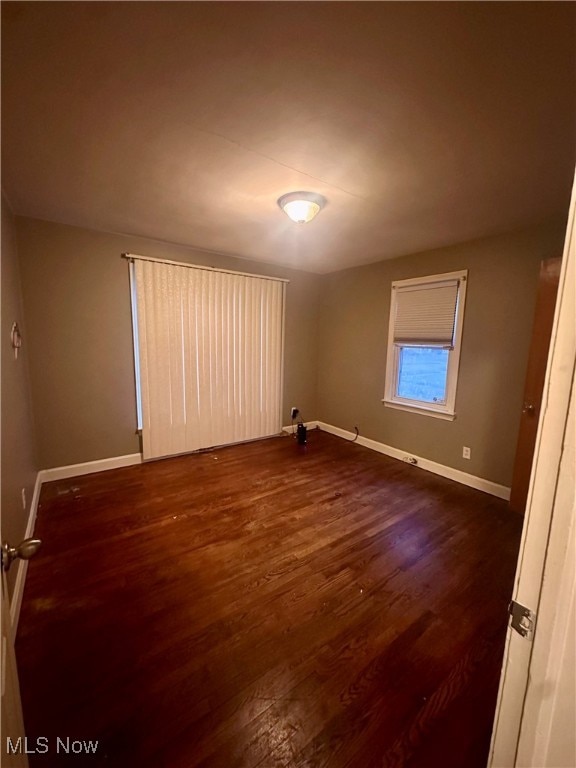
x,y
523,619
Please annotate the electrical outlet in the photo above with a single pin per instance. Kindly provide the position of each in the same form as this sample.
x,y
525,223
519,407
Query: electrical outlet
x,y
465,452
23,498
294,412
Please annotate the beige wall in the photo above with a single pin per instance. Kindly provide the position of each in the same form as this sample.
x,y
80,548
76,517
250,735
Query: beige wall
x,y
500,301
76,300
77,307
18,456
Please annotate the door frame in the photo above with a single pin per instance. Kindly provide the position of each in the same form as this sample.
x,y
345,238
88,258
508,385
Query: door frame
x,y
544,547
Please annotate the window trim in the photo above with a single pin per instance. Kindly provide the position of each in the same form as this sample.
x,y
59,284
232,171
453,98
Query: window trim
x,y
447,410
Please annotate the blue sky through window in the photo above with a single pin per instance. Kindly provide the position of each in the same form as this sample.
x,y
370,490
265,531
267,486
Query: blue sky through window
x,y
422,373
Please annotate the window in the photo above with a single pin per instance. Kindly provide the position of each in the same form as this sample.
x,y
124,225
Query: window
x,y
426,317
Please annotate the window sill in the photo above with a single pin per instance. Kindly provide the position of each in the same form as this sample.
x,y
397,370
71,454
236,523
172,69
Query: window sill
x,y
420,409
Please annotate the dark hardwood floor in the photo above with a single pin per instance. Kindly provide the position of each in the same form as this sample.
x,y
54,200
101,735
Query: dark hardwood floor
x,y
267,605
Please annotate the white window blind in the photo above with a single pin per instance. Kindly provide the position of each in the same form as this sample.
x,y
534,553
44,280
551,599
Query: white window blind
x,y
210,346
426,314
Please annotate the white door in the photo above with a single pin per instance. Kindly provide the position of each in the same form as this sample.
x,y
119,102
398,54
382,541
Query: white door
x,y
537,683
12,721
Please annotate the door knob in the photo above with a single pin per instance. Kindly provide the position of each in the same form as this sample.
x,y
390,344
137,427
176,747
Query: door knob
x,y
528,408
25,550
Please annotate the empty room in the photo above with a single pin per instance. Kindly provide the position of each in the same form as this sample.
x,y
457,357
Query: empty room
x,y
287,384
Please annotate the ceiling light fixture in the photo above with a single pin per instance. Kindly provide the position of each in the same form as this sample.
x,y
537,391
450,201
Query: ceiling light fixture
x,y
301,207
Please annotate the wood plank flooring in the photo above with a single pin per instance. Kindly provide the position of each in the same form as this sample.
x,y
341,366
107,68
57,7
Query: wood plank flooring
x,y
267,605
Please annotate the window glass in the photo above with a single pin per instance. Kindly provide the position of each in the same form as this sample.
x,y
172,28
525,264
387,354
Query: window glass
x,y
423,373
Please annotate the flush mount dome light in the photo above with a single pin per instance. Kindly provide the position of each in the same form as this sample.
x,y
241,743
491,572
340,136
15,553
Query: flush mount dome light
x,y
301,207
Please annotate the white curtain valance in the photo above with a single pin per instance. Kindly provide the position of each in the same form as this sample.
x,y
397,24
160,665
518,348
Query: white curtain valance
x,y
135,257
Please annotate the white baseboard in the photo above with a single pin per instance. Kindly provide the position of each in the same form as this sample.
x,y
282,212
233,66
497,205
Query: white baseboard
x,y
101,465
22,565
502,491
292,427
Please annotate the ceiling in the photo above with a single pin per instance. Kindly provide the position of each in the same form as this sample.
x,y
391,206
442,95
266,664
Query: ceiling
x,y
423,124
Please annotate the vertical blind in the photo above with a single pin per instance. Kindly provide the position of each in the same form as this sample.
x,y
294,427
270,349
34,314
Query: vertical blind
x,y
426,313
209,353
